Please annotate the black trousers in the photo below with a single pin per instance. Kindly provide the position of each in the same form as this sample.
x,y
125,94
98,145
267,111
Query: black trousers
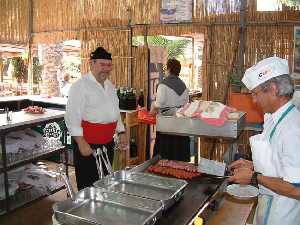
x,y
172,147
85,166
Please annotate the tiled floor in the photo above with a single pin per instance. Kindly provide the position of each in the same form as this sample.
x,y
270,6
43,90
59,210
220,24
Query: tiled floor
x,y
38,212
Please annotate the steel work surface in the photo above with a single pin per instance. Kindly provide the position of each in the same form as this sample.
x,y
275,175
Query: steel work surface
x,y
196,194
95,206
169,124
167,190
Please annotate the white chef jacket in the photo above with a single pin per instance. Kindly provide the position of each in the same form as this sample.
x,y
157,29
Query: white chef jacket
x,y
167,97
274,209
285,142
90,101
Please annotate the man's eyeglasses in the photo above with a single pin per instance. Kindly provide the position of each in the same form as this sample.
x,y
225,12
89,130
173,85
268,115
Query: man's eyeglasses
x,y
106,64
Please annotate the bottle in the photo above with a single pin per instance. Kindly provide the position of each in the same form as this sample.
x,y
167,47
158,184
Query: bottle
x,y
141,99
122,99
119,92
133,148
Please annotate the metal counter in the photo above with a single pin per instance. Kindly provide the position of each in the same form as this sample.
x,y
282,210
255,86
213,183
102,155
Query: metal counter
x,y
170,124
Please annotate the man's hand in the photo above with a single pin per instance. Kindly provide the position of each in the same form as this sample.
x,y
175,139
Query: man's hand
x,y
153,109
242,175
84,148
123,144
241,163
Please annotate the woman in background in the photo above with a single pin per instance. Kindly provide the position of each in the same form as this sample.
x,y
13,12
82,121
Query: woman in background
x,y
171,93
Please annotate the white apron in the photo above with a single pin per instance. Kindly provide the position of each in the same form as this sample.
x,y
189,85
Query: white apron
x,y
272,209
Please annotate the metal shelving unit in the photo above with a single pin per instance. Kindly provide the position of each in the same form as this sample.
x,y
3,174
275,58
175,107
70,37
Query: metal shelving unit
x,y
21,120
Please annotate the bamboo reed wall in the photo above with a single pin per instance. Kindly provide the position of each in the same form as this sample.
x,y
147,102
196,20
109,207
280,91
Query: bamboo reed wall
x,y
13,21
114,41
105,23
140,69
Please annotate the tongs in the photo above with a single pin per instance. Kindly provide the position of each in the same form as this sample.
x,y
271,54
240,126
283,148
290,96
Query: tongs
x,y
61,171
98,154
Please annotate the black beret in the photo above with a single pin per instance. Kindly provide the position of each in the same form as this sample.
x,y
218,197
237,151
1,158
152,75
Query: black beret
x,y
100,53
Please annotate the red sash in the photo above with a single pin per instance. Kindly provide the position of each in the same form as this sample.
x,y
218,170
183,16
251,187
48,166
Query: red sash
x,y
97,133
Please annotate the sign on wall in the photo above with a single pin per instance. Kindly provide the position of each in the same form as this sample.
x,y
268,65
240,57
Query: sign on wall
x,y
176,11
296,63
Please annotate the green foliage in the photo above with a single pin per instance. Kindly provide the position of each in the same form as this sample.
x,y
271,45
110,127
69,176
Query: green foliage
x,y
290,2
138,40
20,69
72,66
235,77
175,47
36,70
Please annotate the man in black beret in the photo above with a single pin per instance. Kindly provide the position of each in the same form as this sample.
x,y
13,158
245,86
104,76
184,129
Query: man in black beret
x,y
93,117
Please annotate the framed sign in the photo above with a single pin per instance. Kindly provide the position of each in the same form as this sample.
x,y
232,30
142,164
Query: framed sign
x,y
296,63
176,11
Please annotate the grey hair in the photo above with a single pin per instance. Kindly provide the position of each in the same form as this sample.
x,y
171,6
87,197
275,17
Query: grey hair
x,y
284,83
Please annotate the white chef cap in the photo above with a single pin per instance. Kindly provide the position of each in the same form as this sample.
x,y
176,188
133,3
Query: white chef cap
x,y
265,70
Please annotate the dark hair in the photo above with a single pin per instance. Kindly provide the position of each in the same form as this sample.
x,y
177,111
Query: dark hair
x,y
100,53
174,66
284,83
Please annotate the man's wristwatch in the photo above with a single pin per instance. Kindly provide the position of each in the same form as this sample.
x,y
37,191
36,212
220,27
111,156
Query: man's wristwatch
x,y
254,180
121,132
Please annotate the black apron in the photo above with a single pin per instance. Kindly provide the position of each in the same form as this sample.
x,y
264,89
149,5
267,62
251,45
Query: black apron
x,y
85,166
172,147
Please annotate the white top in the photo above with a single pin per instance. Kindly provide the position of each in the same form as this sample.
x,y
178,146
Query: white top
x,y
65,89
167,97
90,101
285,142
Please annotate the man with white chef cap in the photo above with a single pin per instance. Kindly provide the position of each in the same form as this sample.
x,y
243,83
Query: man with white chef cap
x,y
275,152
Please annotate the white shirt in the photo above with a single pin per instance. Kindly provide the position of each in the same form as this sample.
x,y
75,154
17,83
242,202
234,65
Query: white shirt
x,y
167,97
285,142
90,101
65,90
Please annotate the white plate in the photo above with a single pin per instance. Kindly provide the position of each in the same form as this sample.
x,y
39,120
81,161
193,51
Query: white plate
x,y
242,191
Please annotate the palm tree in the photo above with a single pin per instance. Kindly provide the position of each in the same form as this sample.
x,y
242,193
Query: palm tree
x,y
290,2
175,47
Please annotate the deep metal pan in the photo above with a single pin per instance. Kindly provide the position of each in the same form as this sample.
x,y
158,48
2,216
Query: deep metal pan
x,y
96,206
165,189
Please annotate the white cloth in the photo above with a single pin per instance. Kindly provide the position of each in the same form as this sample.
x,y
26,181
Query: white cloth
x,y
278,157
90,101
167,97
265,70
27,139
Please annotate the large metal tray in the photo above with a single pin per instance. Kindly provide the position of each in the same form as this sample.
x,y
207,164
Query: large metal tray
x,y
165,189
170,124
96,206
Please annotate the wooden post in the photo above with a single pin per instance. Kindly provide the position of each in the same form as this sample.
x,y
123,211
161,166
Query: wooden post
x,y
129,78
1,70
29,43
242,37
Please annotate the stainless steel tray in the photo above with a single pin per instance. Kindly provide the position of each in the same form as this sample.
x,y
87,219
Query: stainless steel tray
x,y
96,206
167,190
170,124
